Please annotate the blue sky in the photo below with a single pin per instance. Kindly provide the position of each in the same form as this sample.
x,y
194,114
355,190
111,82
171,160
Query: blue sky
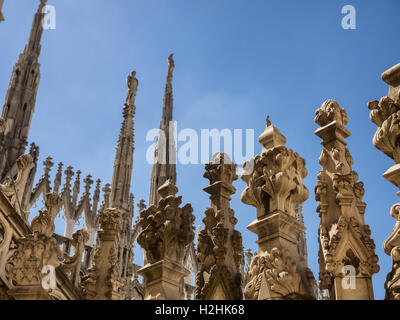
x,y
236,61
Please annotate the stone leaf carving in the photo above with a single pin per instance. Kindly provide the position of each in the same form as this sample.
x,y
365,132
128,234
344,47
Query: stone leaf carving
x,y
391,246
276,181
166,228
386,115
279,271
331,111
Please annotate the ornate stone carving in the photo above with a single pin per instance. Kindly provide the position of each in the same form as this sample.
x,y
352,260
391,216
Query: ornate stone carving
x,y
220,249
103,281
343,236
391,246
166,229
277,270
14,189
35,251
275,187
72,264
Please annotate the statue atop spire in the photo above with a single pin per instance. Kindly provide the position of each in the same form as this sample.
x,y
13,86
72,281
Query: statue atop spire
x,y
171,67
133,84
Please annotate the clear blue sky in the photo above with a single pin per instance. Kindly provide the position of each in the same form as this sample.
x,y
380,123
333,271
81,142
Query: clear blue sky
x,y
236,61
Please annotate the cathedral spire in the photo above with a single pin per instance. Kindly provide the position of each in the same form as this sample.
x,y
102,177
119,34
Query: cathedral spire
x,y
21,97
164,167
33,45
124,156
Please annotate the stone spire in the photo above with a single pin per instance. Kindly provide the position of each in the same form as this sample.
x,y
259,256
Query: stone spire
x,y
164,167
384,114
220,249
275,187
121,199
121,184
21,97
347,256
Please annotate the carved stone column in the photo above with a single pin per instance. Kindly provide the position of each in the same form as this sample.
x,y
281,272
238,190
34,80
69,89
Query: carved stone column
x,y
275,188
220,249
102,281
347,253
166,230
386,114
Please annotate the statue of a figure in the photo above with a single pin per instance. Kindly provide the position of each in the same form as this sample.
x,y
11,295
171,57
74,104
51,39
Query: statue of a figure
x,y
268,121
133,84
171,64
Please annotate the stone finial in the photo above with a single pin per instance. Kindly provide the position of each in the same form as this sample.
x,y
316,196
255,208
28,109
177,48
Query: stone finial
x,y
102,281
329,112
220,249
110,219
166,231
142,205
275,187
339,195
385,113
276,180
166,224
57,180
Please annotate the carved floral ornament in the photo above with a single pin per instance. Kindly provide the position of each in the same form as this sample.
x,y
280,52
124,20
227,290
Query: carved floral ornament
x,y
331,111
277,176
391,246
386,115
166,228
279,271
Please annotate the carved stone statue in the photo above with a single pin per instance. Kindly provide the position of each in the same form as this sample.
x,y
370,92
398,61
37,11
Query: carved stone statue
x,y
133,84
